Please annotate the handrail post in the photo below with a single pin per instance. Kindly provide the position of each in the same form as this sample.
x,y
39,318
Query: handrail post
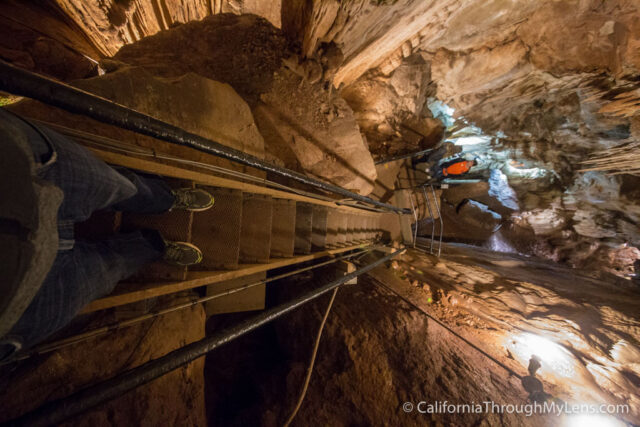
x,y
433,220
44,89
435,201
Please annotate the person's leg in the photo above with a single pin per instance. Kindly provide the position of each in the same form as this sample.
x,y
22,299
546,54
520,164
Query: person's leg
x,y
153,195
89,184
436,174
85,271
81,275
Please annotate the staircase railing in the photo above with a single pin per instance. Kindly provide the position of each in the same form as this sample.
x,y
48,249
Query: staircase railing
x,y
25,83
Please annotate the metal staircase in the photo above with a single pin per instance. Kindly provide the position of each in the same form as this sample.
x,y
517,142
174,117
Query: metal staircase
x,y
243,234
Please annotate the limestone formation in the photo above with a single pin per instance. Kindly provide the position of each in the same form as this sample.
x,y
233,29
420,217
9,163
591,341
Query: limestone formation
x,y
112,24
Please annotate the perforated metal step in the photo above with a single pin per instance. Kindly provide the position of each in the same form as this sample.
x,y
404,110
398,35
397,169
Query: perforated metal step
x,y
351,228
216,231
319,228
333,221
370,232
343,224
173,225
283,228
255,234
304,220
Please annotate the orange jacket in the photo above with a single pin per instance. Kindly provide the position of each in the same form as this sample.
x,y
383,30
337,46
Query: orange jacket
x,y
458,168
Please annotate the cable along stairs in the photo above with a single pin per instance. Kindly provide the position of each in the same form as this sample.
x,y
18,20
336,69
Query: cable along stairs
x,y
250,230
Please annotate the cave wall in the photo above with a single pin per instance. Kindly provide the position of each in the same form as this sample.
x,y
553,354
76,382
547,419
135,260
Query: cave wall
x,y
177,398
39,37
545,75
114,23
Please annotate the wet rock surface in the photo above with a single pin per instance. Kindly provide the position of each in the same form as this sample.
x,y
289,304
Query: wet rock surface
x,y
582,329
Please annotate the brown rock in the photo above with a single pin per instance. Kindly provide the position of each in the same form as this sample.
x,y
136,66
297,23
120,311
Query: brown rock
x,y
196,104
112,24
177,397
566,38
478,191
34,38
391,110
315,131
243,51
470,222
431,130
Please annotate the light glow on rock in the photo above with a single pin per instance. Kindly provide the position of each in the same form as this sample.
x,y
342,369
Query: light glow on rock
x,y
555,359
593,420
471,140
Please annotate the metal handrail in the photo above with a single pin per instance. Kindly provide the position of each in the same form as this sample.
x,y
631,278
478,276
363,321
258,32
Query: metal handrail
x,y
25,83
433,220
92,333
415,217
435,202
403,156
53,413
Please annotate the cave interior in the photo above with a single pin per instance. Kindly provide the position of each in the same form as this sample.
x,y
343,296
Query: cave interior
x,y
519,283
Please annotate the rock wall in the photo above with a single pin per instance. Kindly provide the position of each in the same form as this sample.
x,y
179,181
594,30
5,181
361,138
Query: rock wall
x,y
548,82
376,352
319,128
205,107
392,109
38,37
176,398
112,24
307,126
583,329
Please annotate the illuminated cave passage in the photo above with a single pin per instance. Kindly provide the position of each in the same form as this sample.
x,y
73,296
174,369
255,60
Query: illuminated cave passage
x,y
311,213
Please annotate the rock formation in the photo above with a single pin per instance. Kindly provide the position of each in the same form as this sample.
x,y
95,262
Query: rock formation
x,y
176,398
543,93
306,125
547,83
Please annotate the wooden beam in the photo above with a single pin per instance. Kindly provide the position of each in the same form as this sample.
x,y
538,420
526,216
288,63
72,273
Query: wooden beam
x,y
127,293
156,168
247,300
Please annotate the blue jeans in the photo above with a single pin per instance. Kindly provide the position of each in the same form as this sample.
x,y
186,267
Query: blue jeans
x,y
84,271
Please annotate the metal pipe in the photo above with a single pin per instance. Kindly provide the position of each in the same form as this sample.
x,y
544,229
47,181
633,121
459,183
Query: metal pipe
x,y
403,156
453,181
57,411
25,83
415,217
435,202
92,333
433,220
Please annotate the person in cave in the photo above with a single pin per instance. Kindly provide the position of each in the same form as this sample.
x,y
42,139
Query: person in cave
x,y
453,168
435,169
47,184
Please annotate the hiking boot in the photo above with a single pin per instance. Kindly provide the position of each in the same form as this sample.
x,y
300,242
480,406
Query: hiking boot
x,y
181,253
192,199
